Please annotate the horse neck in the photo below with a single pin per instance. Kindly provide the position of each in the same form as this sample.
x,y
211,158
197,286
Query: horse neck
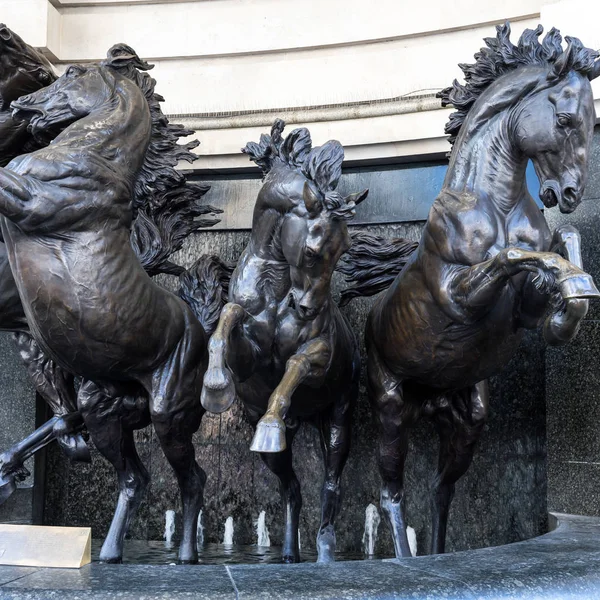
x,y
116,131
487,163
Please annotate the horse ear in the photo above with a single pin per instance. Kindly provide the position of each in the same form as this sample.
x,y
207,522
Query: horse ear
x,y
311,199
5,32
564,63
123,56
357,197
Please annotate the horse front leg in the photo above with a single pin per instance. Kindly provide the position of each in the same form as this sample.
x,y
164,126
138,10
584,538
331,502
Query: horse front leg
x,y
311,360
476,288
562,324
218,390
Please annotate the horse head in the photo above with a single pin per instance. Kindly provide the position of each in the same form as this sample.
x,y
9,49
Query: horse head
x,y
22,68
555,126
78,92
545,93
315,235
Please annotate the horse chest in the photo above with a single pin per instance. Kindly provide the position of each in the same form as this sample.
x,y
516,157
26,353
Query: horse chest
x,y
487,239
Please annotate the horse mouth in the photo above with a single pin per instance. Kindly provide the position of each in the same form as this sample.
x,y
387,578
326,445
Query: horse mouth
x,y
41,125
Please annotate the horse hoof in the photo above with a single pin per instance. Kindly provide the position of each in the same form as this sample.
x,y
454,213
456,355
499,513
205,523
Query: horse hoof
x,y
290,559
326,546
269,435
75,447
111,560
218,391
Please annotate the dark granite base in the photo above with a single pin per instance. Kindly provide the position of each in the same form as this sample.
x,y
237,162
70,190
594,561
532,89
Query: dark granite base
x,y
559,565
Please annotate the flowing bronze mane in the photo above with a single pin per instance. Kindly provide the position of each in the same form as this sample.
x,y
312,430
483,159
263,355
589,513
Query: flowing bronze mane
x,y
501,56
166,204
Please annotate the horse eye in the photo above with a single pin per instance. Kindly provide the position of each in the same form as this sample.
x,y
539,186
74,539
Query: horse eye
x,y
563,119
74,70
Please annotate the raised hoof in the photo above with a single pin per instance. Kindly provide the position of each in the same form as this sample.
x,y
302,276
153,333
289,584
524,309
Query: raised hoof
x,y
578,286
75,447
218,391
269,435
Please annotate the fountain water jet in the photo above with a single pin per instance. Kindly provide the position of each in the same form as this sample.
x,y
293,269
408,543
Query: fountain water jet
x,y
262,532
228,536
169,528
372,520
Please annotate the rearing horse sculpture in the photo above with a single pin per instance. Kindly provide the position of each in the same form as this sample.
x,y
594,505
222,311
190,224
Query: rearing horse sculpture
x,y
157,232
68,209
282,345
487,266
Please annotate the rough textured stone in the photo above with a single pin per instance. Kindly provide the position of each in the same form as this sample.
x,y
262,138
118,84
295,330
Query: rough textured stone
x,y
17,419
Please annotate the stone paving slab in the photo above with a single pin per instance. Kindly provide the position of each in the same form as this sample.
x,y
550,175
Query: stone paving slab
x,y
561,565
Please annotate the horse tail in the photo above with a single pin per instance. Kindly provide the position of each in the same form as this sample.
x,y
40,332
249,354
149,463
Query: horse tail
x,y
372,264
205,287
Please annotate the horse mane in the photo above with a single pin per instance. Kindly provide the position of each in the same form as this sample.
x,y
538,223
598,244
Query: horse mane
x,y
372,263
322,165
165,204
15,54
501,56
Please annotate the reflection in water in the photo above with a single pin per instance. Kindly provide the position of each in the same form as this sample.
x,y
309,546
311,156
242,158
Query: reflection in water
x,y
155,553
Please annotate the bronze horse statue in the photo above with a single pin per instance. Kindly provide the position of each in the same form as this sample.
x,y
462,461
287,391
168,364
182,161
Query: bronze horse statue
x,y
282,345
23,70
487,266
157,232
68,210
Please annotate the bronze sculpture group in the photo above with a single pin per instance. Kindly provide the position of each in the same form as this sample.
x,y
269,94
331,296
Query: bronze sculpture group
x,y
91,207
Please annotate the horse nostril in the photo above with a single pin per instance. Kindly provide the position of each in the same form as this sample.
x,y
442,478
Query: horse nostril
x,y
570,194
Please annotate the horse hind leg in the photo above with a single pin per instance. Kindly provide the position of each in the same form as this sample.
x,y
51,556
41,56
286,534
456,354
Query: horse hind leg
x,y
176,415
335,429
115,442
459,434
394,417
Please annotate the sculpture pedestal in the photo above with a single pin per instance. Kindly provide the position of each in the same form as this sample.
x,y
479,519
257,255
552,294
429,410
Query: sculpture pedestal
x,y
34,546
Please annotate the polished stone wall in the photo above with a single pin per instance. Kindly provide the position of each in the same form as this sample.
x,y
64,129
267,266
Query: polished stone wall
x,y
502,498
17,419
573,379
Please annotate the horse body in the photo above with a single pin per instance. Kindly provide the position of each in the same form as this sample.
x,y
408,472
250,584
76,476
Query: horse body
x,y
433,341
282,346
68,212
487,266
